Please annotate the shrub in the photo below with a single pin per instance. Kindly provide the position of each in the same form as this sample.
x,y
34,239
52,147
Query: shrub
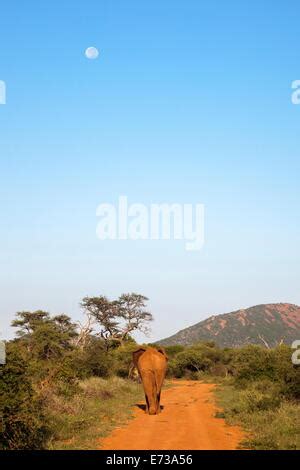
x,y
286,373
218,370
122,359
190,360
259,396
23,425
172,351
252,363
270,422
94,360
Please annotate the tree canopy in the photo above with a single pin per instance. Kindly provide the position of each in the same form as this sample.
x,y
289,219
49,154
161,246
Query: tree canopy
x,y
119,318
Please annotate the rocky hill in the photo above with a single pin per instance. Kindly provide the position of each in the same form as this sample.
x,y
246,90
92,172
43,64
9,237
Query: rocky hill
x,y
267,325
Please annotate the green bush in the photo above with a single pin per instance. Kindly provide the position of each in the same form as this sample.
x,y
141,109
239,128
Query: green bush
x,y
172,351
286,373
191,360
93,412
258,396
252,363
22,423
269,421
219,370
122,358
93,360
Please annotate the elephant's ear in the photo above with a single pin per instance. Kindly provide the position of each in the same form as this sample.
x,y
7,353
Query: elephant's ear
x,y
137,354
162,351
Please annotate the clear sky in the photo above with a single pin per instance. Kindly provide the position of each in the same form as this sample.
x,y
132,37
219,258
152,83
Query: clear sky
x,y
189,101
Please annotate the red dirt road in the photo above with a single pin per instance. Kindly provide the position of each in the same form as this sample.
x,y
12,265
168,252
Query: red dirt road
x,y
187,422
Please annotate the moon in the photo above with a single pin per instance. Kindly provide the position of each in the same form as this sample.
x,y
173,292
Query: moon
x,y
91,53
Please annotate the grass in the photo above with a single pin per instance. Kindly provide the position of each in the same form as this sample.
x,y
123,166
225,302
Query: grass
x,y
270,423
99,406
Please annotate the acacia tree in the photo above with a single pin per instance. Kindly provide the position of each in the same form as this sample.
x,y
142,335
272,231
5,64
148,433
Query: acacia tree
x,y
44,336
118,319
27,322
132,311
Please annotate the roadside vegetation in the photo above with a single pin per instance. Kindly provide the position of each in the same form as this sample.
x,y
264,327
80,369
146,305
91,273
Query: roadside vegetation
x,y
98,406
258,388
65,385
271,422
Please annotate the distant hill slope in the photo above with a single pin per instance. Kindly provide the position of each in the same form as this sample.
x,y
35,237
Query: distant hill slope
x,y
266,325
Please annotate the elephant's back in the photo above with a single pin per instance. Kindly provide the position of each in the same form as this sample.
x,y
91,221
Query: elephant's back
x,y
152,359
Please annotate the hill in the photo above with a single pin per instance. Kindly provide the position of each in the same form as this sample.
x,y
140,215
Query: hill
x,y
268,325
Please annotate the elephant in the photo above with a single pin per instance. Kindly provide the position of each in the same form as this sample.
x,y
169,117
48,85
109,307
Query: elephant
x,y
151,364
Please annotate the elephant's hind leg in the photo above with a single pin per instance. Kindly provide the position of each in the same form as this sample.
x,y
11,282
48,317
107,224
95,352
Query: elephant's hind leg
x,y
147,404
150,389
158,403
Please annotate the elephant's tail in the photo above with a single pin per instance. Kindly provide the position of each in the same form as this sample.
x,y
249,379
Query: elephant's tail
x,y
154,381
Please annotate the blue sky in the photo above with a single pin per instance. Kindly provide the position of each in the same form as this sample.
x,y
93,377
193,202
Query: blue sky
x,y
188,102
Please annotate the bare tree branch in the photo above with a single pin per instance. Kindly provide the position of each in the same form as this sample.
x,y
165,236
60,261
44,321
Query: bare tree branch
x,y
264,341
118,319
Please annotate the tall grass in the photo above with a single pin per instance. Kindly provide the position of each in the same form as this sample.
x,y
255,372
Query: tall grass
x,y
270,422
100,405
